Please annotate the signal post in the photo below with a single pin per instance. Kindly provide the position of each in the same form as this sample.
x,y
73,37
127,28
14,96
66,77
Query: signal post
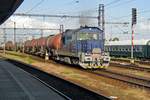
x,y
134,21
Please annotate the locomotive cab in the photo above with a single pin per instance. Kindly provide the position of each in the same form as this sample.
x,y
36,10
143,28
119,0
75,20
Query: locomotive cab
x,y
92,48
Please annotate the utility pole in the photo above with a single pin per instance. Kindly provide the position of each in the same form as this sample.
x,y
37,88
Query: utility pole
x,y
101,20
61,28
43,25
4,32
41,33
33,36
15,35
134,21
23,40
101,17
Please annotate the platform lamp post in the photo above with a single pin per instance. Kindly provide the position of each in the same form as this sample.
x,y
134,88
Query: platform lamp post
x,y
134,21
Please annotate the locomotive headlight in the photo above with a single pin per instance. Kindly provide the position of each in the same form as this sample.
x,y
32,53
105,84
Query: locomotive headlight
x,y
88,58
87,54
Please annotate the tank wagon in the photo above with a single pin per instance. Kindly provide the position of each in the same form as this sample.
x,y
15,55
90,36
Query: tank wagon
x,y
123,49
9,46
41,46
83,46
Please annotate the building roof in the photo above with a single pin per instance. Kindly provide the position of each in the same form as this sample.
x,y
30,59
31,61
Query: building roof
x,y
128,42
7,8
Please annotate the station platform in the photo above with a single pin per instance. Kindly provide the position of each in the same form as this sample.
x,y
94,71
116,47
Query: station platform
x,y
15,84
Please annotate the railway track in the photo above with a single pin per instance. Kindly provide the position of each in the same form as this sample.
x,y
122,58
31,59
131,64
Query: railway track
x,y
129,66
132,79
128,78
115,63
136,61
69,89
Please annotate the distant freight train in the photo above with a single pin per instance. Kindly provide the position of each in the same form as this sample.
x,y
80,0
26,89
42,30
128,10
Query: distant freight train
x,y
83,46
9,46
123,49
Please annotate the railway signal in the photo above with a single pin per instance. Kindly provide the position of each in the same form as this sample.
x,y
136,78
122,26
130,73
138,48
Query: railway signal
x,y
134,21
134,16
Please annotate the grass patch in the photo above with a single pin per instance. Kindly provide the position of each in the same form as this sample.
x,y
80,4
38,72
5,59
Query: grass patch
x,y
29,60
18,56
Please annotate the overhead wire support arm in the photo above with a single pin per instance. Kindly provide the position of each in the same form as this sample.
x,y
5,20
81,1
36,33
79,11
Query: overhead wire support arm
x,y
65,16
59,16
125,23
30,28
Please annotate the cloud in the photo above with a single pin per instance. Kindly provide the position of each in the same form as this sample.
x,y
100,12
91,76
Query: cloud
x,y
143,27
30,23
142,31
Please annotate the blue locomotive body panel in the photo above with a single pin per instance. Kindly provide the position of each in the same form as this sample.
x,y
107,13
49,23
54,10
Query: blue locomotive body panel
x,y
82,40
87,46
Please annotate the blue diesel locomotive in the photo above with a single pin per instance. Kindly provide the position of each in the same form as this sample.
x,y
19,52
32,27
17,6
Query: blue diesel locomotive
x,y
84,47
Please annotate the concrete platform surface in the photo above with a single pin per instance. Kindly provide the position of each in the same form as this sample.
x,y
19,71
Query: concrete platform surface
x,y
15,84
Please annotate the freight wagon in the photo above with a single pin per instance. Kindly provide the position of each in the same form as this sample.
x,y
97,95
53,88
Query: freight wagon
x,y
9,46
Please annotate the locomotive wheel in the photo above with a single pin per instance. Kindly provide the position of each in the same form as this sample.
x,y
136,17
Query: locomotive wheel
x,y
74,61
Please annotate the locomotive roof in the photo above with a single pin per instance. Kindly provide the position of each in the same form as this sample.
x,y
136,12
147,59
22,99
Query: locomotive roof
x,y
81,28
128,42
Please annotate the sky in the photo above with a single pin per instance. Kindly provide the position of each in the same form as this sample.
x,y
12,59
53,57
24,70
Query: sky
x,y
115,11
113,8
